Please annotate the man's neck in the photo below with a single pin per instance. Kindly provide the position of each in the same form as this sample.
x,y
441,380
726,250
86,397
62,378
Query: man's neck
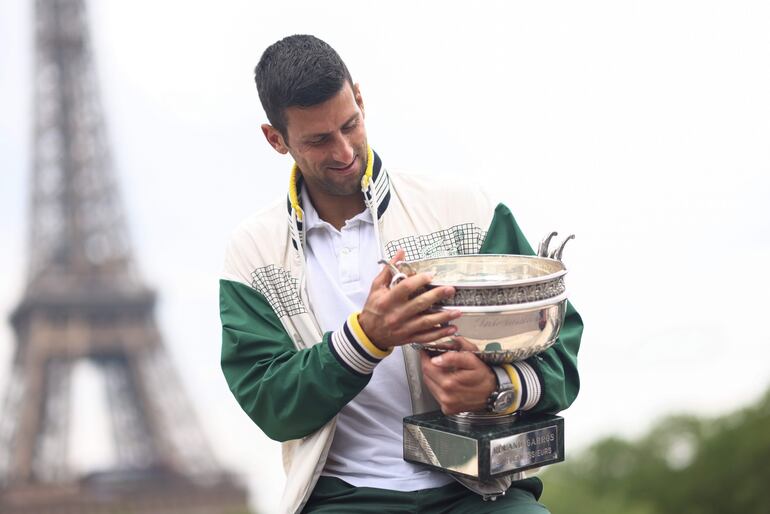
x,y
336,210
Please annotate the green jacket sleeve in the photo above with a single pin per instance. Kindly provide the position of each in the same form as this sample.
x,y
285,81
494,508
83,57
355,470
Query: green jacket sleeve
x,y
288,393
550,379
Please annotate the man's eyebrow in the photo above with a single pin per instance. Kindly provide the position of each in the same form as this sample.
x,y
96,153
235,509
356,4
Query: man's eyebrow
x,y
356,115
324,134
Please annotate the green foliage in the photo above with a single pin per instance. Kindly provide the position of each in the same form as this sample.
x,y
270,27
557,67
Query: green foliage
x,y
684,465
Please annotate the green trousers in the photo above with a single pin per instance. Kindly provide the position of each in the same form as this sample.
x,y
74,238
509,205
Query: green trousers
x,y
332,495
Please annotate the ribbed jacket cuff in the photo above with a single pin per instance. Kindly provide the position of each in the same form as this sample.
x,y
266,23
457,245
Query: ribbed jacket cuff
x,y
353,349
530,385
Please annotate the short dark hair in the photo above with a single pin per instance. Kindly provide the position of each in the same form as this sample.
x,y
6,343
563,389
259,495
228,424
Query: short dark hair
x,y
298,70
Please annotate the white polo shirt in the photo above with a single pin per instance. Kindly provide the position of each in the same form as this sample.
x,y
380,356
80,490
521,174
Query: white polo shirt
x,y
367,450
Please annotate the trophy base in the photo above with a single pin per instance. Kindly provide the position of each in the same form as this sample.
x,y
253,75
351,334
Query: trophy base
x,y
483,452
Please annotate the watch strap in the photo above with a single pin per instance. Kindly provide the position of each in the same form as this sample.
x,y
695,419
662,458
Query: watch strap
x,y
504,386
513,375
507,380
503,379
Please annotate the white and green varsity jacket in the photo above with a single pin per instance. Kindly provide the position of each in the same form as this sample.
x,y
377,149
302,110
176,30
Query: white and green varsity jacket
x,y
292,379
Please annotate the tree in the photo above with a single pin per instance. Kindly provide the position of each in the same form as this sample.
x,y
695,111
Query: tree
x,y
684,465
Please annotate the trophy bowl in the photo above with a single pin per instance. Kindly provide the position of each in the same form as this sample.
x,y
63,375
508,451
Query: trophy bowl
x,y
507,333
512,306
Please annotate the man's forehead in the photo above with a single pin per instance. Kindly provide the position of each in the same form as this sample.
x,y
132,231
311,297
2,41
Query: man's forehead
x,y
323,117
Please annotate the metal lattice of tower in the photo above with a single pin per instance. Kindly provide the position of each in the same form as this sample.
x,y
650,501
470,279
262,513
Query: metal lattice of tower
x,y
85,300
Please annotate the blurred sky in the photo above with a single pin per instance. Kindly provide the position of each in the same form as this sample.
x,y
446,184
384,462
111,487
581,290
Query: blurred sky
x,y
643,127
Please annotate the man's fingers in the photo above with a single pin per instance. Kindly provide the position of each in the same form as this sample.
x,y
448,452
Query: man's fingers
x,y
434,325
457,390
431,374
462,360
433,334
408,288
391,317
382,279
432,385
464,344
430,321
427,299
447,343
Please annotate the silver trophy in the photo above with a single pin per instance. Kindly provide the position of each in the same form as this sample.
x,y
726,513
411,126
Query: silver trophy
x,y
513,308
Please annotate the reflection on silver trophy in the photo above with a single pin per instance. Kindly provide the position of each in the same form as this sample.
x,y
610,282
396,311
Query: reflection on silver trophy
x,y
513,307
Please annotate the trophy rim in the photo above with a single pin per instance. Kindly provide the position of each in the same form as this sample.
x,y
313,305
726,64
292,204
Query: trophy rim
x,y
493,357
437,281
513,307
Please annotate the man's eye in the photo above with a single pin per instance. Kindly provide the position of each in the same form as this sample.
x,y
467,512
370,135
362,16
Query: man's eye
x,y
350,126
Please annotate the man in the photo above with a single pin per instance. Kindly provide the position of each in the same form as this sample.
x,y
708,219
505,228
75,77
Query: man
x,y
313,337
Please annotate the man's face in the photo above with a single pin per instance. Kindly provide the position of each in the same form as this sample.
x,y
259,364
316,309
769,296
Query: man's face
x,y
328,143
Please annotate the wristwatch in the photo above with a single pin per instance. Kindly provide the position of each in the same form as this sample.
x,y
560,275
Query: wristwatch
x,y
501,398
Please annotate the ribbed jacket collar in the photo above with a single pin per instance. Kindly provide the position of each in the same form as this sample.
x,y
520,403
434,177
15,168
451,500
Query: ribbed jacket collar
x,y
375,186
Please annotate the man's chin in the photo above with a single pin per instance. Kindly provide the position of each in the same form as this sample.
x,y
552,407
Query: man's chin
x,y
353,187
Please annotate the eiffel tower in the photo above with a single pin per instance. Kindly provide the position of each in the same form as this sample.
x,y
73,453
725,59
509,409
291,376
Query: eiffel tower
x,y
85,301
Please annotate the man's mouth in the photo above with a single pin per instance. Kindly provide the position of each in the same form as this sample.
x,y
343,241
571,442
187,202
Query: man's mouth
x,y
347,168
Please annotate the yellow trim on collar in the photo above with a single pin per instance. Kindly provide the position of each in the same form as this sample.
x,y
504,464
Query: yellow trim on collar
x,y
293,196
369,169
367,343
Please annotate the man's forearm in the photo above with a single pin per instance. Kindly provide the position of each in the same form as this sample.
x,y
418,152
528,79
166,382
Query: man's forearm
x,y
288,393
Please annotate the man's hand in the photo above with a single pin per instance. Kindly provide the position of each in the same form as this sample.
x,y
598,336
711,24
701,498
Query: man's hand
x,y
391,317
459,380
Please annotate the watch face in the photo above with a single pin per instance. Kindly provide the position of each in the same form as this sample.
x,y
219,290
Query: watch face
x,y
503,401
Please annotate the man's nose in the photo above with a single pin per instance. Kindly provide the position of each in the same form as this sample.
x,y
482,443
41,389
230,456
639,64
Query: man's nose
x,y
343,151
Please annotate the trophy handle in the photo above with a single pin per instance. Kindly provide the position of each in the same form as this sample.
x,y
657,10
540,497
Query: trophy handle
x,y
398,275
556,254
542,249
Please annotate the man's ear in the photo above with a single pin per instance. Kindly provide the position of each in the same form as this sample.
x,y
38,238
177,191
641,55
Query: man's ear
x,y
359,98
275,138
